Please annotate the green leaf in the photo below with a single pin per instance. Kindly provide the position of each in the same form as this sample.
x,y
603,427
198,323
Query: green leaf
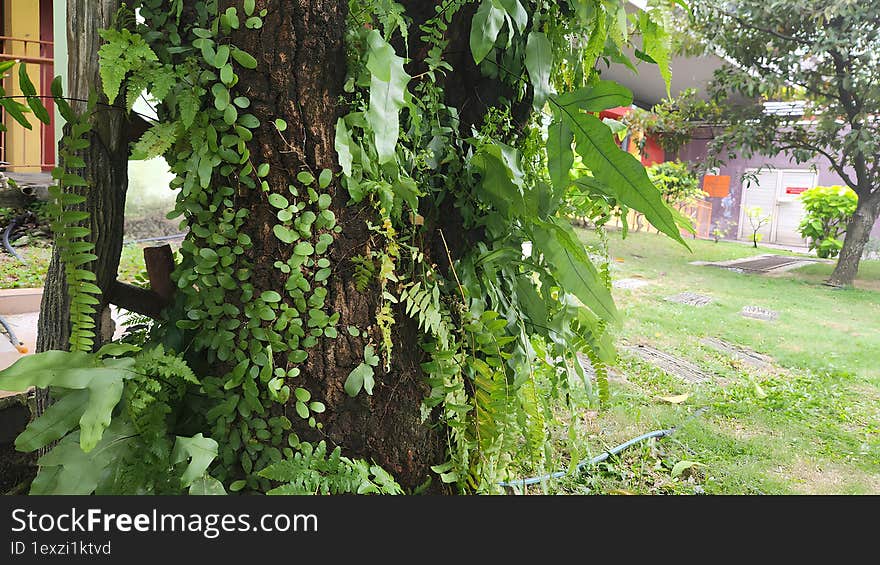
x,y
501,183
244,58
207,485
116,349
227,75
249,121
63,107
656,45
72,370
360,378
303,248
343,144
601,95
532,304
270,296
618,170
301,409
324,179
104,395
539,62
485,26
17,111
682,465
305,177
370,357
278,201
67,469
284,234
237,485
28,89
517,13
199,451
388,83
571,266
560,155
59,419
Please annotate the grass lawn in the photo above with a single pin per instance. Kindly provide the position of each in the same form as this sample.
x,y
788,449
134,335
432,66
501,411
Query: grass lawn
x,y
808,423
14,274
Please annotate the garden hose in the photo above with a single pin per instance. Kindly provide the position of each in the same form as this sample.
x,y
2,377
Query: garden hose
x,y
16,343
602,456
6,243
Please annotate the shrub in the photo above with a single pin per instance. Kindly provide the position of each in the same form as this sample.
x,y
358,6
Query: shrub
x,y
676,182
828,211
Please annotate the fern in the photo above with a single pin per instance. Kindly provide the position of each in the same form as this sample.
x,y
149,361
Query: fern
x,y
112,417
384,320
162,79
422,303
155,141
65,211
312,471
122,53
188,102
364,271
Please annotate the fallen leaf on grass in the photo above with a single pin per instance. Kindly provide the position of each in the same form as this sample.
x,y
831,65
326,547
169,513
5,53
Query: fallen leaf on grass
x,y
759,392
677,399
683,465
621,491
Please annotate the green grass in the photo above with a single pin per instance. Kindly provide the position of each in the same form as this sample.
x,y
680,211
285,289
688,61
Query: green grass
x,y
810,423
869,274
14,274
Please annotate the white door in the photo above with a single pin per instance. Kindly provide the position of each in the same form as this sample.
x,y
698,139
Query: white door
x,y
777,194
759,193
789,209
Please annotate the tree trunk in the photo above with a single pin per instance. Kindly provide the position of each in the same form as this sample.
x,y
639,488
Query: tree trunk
x,y
857,233
301,70
106,172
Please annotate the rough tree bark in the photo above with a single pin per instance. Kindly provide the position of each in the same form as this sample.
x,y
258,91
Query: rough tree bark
x,y
106,172
299,78
858,231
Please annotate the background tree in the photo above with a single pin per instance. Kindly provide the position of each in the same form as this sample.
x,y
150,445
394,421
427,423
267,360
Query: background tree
x,y
757,220
822,53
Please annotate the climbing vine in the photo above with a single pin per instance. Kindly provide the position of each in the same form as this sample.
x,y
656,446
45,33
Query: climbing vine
x,y
205,394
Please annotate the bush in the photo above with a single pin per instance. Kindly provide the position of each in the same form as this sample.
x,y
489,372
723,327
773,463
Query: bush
x,y
676,182
829,208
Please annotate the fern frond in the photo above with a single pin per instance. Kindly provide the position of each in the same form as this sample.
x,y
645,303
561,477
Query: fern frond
x,y
312,471
155,141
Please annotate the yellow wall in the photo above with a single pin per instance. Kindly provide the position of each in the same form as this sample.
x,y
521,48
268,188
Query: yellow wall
x,y
22,19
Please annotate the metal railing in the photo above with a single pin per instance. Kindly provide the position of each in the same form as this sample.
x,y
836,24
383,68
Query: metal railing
x,y
40,60
46,62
